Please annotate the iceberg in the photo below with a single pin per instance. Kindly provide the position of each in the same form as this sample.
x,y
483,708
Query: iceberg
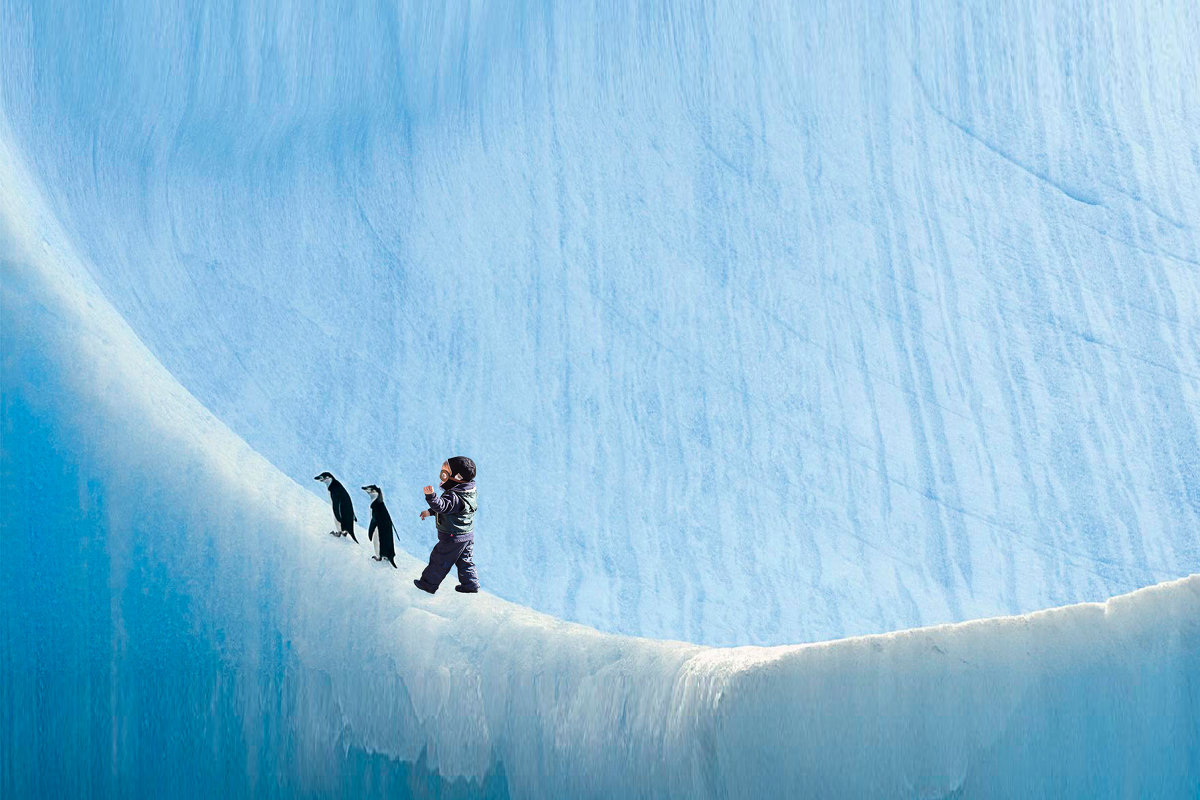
x,y
176,621
832,374
911,293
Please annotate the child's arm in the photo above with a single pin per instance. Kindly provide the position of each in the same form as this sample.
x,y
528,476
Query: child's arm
x,y
448,503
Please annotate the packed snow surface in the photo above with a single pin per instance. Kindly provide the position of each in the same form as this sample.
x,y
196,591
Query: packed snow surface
x,y
765,323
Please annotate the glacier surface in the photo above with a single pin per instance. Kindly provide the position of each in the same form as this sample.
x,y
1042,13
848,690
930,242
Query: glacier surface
x,y
766,323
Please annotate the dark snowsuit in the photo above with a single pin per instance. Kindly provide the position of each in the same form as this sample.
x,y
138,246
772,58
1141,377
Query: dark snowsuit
x,y
381,523
455,511
343,509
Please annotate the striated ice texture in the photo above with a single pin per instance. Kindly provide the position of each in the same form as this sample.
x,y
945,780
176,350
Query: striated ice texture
x,y
765,323
174,624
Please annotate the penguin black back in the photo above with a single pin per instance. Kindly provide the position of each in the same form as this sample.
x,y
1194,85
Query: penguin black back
x,y
343,506
381,525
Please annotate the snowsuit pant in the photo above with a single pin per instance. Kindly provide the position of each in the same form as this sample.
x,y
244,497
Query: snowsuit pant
x,y
448,553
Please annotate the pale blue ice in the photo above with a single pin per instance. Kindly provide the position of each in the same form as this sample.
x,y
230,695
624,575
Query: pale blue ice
x,y
766,323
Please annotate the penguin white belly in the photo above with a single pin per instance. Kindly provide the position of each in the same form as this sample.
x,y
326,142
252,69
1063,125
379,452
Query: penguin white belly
x,y
377,540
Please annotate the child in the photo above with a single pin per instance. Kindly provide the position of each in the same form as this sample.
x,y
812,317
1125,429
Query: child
x,y
381,527
455,514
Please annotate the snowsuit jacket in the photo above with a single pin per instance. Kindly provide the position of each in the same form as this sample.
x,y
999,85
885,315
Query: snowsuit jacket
x,y
381,521
343,509
455,511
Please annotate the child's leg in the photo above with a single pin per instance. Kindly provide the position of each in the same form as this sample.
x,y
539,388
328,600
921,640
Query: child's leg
x,y
440,560
467,576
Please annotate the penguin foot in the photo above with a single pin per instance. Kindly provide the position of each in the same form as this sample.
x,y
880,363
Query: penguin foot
x,y
335,533
376,558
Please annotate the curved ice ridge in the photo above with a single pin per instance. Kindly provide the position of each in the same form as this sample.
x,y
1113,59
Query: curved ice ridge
x,y
829,319
1093,697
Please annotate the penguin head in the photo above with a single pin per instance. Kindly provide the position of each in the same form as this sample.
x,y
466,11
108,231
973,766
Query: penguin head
x,y
373,490
324,478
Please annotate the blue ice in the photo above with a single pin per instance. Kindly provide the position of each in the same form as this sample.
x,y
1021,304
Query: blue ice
x,y
767,324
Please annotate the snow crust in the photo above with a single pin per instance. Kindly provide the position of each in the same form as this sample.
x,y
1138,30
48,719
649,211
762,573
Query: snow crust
x,y
175,620
766,322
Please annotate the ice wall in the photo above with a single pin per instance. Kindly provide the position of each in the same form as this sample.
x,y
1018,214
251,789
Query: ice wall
x,y
766,322
175,621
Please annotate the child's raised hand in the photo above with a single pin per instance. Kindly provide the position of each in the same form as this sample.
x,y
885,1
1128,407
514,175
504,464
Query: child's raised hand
x,y
428,490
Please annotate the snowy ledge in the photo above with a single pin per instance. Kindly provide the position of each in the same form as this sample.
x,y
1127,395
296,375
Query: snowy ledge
x,y
1094,699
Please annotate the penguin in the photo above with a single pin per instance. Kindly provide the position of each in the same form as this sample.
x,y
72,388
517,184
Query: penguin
x,y
343,509
381,521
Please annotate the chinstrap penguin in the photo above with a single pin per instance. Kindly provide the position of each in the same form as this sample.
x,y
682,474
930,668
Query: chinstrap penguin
x,y
343,508
381,523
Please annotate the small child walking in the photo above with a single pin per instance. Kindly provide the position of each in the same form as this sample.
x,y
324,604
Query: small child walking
x,y
454,512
